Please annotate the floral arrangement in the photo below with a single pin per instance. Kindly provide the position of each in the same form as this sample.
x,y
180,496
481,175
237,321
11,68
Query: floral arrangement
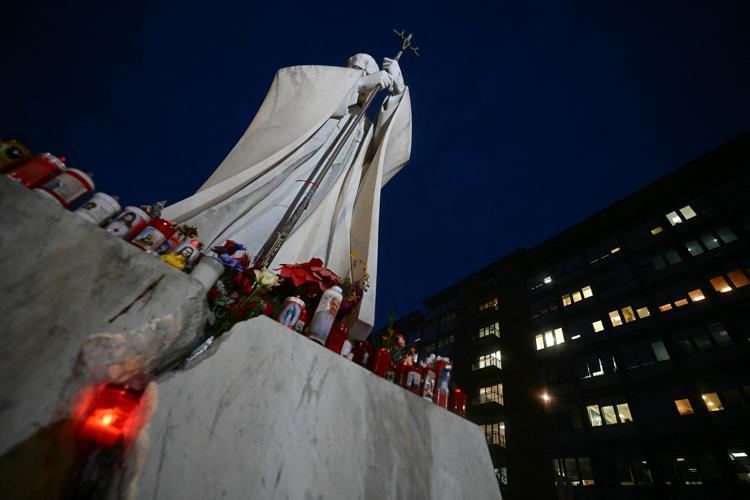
x,y
395,342
243,292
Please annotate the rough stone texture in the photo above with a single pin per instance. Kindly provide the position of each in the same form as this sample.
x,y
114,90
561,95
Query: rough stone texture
x,y
77,306
269,414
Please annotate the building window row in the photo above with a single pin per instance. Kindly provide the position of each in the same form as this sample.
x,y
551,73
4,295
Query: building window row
x,y
609,414
577,296
446,341
606,255
721,284
732,398
491,359
710,399
668,257
447,318
491,304
710,241
574,471
495,433
628,316
697,340
736,277
686,213
543,307
595,365
490,394
491,329
549,338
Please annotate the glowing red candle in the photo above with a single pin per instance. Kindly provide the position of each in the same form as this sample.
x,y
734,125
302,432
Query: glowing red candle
x,y
108,415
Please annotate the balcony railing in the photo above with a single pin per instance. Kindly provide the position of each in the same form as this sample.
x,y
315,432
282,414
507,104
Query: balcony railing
x,y
489,397
496,438
488,334
487,362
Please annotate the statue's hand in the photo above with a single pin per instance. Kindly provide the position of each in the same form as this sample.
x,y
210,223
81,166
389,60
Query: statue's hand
x,y
393,69
370,82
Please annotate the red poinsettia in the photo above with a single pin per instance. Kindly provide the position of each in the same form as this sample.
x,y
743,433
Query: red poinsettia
x,y
311,273
244,284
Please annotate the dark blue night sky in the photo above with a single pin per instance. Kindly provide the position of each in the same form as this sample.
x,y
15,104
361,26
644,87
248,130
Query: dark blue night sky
x,y
528,116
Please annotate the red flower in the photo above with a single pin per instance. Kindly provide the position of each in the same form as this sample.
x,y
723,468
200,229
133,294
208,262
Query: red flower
x,y
243,283
310,272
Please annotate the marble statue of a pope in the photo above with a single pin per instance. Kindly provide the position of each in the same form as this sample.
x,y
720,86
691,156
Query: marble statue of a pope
x,y
248,194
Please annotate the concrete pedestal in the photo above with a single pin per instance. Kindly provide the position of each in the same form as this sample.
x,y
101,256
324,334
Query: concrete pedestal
x,y
78,305
272,415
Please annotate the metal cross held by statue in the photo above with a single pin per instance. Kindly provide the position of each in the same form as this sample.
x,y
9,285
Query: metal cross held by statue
x,y
405,44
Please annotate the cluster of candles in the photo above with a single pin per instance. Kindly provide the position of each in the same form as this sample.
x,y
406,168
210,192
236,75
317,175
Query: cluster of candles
x,y
48,175
428,379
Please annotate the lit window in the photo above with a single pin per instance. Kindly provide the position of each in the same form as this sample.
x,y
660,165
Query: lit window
x,y
549,338
665,307
683,406
495,433
566,300
492,359
696,295
660,350
712,401
627,313
687,212
539,342
726,235
656,230
492,393
694,248
615,318
643,312
598,326
615,250
547,280
559,338
710,241
673,218
490,304
577,297
594,416
492,329
623,411
681,302
720,284
587,292
738,279
608,412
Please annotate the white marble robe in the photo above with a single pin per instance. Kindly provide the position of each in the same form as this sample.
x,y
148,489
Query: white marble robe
x,y
249,192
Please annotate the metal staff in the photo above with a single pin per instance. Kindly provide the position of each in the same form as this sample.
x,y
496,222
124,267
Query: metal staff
x,y
301,201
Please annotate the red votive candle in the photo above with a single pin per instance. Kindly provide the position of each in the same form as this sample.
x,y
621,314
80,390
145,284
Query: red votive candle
x,y
380,361
362,352
337,337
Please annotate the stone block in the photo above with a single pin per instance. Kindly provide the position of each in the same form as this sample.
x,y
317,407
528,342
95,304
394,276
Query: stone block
x,y
269,414
78,305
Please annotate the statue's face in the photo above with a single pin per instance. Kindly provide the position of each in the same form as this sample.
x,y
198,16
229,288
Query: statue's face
x,y
363,62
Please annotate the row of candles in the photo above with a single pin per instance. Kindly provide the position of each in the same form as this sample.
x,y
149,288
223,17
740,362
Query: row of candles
x,y
428,379
49,176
